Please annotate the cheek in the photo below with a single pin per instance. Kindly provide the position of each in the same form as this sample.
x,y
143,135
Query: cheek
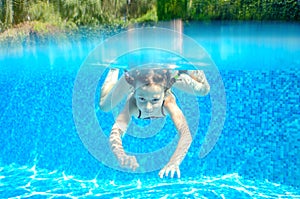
x,y
158,105
139,104
142,105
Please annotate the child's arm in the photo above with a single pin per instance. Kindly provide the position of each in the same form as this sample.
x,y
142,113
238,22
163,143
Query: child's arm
x,y
112,96
115,139
184,140
194,83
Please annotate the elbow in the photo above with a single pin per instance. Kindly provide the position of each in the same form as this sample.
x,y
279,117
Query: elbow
x,y
206,89
189,138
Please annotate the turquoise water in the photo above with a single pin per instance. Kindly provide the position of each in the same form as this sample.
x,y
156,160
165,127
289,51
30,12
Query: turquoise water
x,y
256,155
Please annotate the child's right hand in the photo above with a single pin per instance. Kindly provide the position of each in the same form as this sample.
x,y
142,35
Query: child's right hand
x,y
128,161
170,167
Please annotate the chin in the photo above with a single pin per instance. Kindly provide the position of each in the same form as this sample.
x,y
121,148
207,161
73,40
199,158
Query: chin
x,y
148,113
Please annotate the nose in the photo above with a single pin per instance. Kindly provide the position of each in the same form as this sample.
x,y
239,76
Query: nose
x,y
149,107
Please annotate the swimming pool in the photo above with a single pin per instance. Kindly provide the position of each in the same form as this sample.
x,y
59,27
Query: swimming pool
x,y
256,155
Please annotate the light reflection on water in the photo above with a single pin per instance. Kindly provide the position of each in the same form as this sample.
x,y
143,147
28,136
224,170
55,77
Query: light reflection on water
x,y
26,182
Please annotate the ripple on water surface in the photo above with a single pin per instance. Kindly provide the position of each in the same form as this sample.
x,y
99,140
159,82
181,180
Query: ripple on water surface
x,y
26,182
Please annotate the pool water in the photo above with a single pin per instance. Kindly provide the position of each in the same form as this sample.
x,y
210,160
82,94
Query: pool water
x,y
256,155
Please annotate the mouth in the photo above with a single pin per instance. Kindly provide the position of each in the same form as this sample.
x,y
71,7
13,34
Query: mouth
x,y
148,112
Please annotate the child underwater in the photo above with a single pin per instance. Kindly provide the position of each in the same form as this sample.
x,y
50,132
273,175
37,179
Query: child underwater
x,y
149,95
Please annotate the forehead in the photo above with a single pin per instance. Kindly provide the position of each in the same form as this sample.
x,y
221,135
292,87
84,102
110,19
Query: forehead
x,y
154,90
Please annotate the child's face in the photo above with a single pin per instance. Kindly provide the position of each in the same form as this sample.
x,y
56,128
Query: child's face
x,y
149,99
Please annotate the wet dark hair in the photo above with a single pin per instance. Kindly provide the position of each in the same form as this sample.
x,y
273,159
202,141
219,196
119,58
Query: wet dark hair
x,y
149,77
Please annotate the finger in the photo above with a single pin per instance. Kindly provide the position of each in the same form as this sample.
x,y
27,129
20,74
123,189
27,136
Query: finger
x,y
178,172
161,173
134,166
132,162
167,171
129,163
137,165
172,173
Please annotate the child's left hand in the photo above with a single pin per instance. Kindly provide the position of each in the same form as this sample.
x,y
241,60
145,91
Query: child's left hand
x,y
170,167
128,161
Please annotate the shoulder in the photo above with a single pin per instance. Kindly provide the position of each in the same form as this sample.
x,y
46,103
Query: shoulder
x,y
171,107
170,100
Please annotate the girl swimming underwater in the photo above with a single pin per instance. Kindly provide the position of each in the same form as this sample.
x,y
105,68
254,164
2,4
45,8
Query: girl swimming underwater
x,y
150,96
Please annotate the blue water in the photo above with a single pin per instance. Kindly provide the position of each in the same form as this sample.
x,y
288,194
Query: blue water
x,y
256,155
